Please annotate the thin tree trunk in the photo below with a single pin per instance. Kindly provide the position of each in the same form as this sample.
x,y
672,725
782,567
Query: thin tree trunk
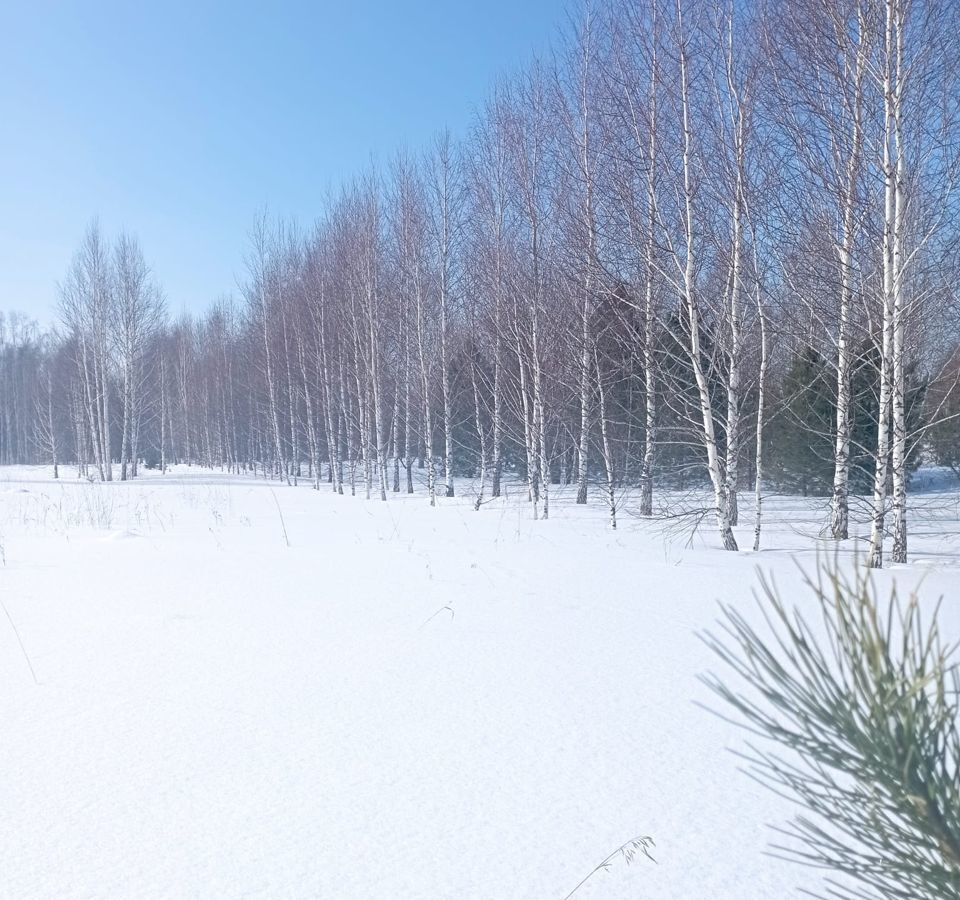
x,y
840,504
693,316
890,259
607,449
761,410
899,552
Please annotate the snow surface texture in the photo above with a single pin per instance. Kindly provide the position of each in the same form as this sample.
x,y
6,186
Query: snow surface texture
x,y
405,702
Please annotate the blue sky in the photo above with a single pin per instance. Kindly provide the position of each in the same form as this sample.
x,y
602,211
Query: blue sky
x,y
177,121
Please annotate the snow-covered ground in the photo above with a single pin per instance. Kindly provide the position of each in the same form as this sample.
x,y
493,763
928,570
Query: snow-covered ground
x,y
404,702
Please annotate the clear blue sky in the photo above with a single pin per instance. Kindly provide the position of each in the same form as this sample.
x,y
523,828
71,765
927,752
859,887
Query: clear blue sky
x,y
179,120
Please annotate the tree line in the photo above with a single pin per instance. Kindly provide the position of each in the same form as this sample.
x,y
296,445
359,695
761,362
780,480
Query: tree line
x,y
701,246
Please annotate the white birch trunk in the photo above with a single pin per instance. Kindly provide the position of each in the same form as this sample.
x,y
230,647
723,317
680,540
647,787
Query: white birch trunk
x,y
607,448
899,461
875,558
693,316
840,504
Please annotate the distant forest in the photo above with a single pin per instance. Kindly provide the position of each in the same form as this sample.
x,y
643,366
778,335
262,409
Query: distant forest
x,y
700,246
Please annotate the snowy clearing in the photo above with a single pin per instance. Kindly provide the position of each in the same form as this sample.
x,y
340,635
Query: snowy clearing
x,y
403,702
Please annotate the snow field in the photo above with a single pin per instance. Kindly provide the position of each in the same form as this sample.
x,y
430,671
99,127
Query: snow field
x,y
404,702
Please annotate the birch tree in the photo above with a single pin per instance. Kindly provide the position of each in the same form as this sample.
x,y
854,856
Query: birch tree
x,y
445,187
690,240
139,316
87,312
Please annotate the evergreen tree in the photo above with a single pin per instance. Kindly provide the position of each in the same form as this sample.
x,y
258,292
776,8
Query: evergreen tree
x,y
800,436
866,414
865,704
942,408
